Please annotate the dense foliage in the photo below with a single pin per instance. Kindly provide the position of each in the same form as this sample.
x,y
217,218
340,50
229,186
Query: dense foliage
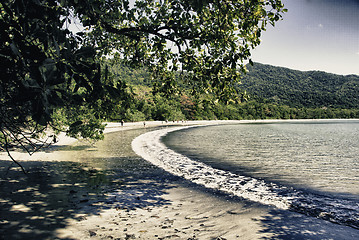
x,y
148,105
294,88
51,76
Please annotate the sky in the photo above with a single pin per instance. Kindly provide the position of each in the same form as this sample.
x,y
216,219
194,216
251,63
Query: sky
x,y
314,35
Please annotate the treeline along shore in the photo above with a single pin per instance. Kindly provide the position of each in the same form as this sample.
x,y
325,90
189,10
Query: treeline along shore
x,y
266,92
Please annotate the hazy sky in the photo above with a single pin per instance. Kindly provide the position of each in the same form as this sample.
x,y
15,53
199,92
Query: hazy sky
x,y
314,35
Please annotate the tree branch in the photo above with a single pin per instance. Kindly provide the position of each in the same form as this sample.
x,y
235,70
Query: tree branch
x,y
9,154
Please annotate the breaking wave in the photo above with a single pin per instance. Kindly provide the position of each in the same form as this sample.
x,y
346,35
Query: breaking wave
x,y
150,147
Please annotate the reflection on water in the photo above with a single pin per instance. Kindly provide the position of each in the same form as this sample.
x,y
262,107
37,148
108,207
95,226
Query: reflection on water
x,y
319,156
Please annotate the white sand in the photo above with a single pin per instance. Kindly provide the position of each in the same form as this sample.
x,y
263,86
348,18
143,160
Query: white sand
x,y
189,212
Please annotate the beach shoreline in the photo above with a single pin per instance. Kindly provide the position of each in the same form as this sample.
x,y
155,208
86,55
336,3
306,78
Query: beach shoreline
x,y
158,207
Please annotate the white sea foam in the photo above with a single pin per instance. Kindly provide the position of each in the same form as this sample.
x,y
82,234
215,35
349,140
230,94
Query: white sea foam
x,y
150,147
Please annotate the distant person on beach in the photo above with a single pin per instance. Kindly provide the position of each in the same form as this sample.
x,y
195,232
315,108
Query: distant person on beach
x,y
144,124
122,123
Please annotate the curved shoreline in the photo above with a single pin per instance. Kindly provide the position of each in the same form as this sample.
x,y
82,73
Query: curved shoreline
x,y
110,127
150,147
158,206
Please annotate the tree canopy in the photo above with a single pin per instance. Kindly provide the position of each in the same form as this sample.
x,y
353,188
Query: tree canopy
x,y
51,76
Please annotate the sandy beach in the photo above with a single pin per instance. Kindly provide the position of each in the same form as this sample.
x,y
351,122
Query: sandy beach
x,y
103,190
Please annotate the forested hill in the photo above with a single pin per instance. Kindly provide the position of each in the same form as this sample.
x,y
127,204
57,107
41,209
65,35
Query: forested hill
x,y
283,94
301,89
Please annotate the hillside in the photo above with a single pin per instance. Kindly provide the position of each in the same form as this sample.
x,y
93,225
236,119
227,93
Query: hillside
x,y
274,93
301,89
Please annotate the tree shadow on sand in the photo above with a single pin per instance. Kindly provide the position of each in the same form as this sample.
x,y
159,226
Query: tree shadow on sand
x,y
288,225
35,205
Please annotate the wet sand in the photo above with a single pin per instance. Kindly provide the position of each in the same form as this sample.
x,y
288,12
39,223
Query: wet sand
x,y
106,191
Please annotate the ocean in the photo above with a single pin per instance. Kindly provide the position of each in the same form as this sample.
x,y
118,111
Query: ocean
x,y
309,167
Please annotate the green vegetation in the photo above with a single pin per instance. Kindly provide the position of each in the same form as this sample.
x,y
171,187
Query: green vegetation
x,y
170,60
53,78
312,89
281,94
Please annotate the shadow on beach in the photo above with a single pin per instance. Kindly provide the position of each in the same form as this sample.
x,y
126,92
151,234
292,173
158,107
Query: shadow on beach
x,y
279,224
66,189
35,205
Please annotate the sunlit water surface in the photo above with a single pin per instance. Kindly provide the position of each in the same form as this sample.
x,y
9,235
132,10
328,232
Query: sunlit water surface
x,y
320,156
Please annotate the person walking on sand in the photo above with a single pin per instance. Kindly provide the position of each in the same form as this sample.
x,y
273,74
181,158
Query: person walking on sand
x,y
144,124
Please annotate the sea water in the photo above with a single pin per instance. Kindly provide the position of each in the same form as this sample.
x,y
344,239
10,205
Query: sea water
x,y
315,155
307,166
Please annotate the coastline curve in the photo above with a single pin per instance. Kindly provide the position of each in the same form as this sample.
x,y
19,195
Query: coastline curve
x,y
150,147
